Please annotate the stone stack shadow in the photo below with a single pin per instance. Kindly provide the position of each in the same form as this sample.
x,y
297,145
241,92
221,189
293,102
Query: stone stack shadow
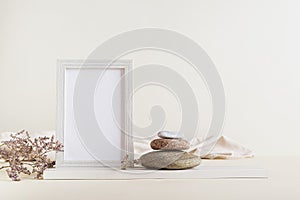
x,y
170,153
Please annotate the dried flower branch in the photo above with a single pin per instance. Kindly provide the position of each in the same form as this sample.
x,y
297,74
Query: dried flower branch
x,y
125,163
28,155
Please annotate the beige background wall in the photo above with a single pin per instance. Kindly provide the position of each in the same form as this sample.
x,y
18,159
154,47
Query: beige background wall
x,y
254,44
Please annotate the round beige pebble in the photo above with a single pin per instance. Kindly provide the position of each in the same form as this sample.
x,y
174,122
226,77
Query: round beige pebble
x,y
169,160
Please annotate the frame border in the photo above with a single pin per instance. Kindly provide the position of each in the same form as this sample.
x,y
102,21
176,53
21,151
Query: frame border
x,y
62,66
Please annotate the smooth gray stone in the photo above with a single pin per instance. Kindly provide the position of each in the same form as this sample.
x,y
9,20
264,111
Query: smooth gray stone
x,y
169,160
170,135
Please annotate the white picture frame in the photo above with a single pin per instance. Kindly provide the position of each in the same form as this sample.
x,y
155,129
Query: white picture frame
x,y
66,135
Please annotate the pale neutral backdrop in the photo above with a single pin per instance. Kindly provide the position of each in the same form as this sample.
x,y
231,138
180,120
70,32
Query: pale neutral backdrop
x,y
254,45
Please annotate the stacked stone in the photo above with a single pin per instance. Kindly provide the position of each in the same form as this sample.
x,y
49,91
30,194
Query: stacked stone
x,y
170,141
169,153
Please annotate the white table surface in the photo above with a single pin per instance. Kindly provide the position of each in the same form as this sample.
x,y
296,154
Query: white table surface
x,y
283,183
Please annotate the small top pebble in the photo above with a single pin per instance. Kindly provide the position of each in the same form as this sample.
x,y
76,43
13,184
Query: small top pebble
x,y
170,135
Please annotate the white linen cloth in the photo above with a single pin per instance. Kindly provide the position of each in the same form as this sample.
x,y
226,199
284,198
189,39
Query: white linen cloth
x,y
224,148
